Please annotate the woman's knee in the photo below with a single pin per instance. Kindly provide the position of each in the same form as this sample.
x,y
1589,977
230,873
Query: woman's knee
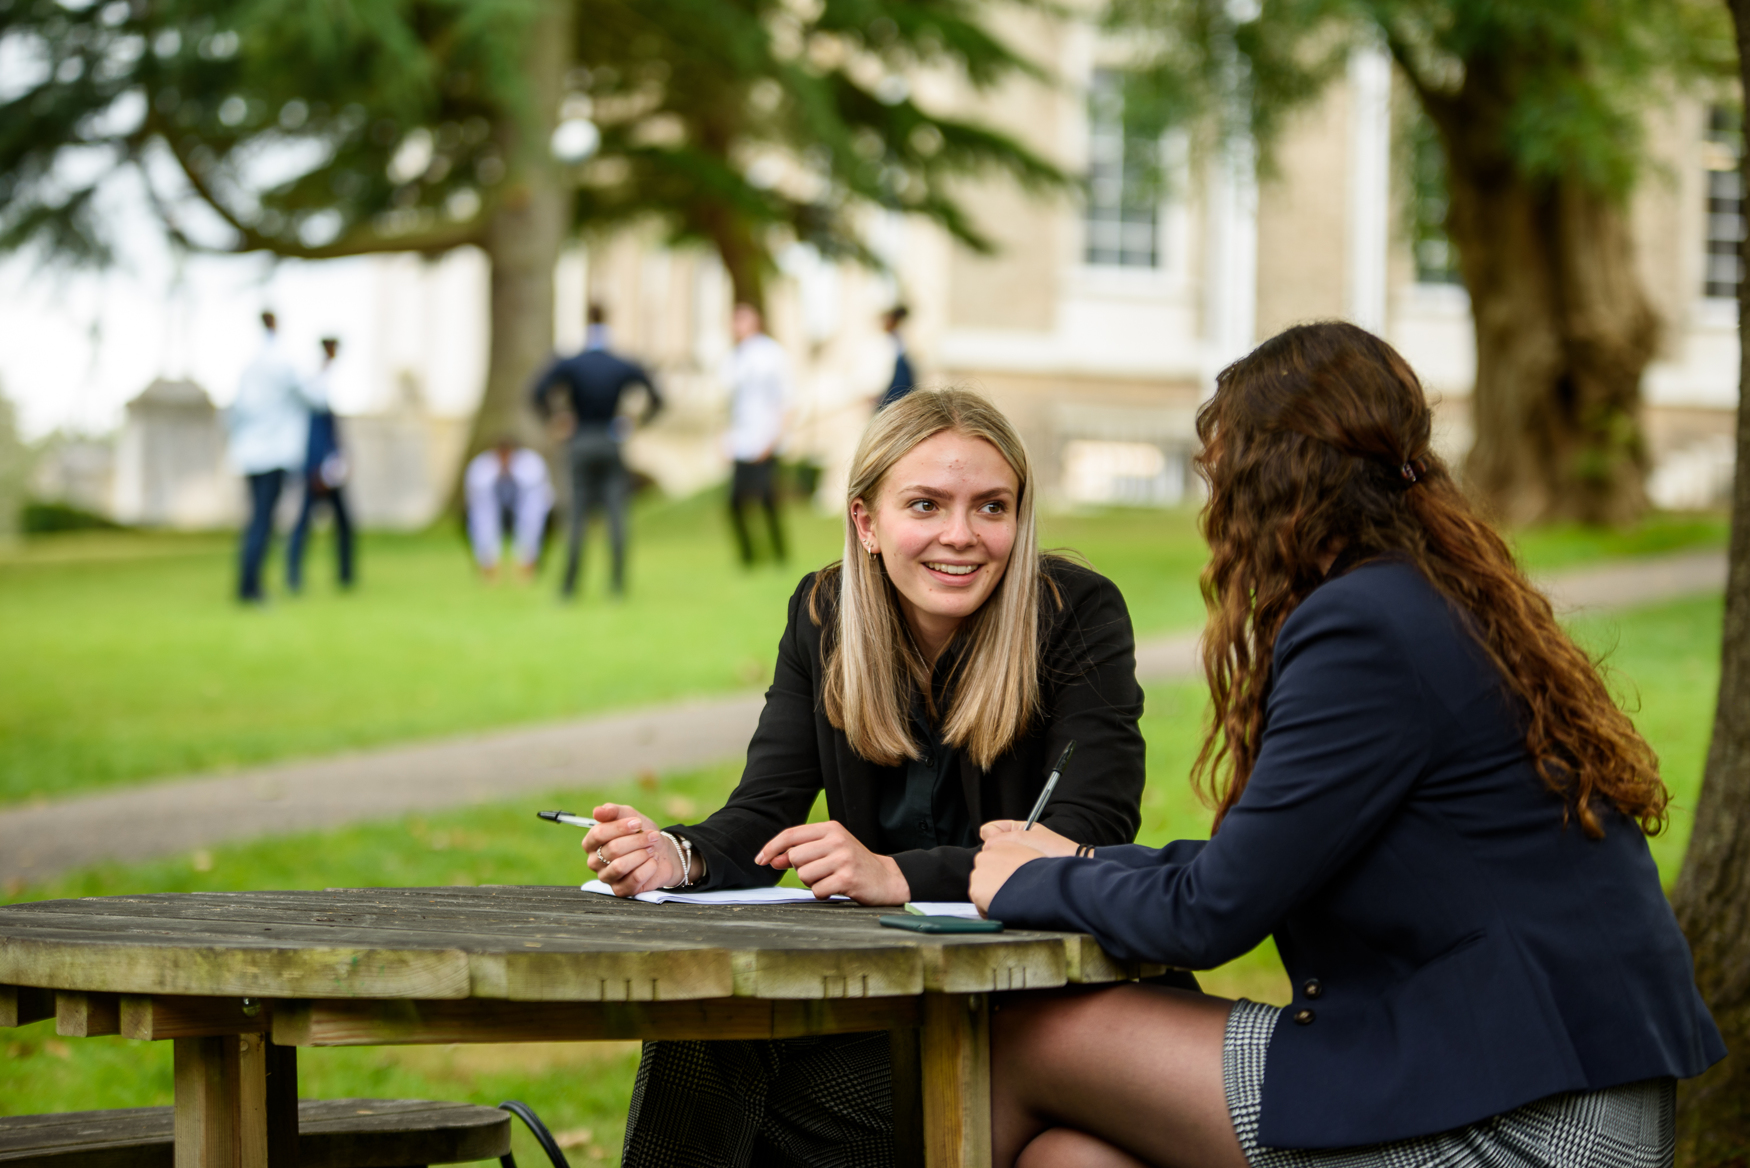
x,y
1063,1147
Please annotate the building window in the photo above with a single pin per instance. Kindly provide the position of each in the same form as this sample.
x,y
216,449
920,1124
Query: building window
x,y
1436,258
1132,474
1721,150
1123,210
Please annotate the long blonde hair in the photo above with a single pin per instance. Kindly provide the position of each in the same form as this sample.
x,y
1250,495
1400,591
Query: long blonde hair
x,y
873,667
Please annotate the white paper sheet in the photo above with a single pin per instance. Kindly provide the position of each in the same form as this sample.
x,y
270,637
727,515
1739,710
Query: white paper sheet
x,y
725,896
943,908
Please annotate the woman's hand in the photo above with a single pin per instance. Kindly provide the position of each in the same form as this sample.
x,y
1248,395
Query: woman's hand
x,y
997,861
832,862
1041,839
626,854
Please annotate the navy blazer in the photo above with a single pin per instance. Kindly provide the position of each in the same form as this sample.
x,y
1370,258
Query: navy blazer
x,y
1456,950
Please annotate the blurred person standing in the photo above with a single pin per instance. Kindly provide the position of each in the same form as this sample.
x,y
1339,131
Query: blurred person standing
x,y
904,378
759,390
325,471
269,430
595,381
507,488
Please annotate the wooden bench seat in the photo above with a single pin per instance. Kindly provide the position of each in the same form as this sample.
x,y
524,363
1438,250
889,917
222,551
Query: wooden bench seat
x,y
332,1133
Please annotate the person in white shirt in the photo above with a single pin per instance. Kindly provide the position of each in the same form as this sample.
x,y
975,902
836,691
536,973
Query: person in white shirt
x,y
759,390
269,431
507,488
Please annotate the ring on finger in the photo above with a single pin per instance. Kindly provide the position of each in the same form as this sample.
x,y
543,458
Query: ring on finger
x,y
602,858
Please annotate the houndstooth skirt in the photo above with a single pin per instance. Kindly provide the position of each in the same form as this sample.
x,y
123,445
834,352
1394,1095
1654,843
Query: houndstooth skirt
x,y
822,1102
1631,1126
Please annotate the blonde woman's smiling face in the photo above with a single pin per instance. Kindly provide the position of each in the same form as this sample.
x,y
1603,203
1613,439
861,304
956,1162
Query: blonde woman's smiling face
x,y
943,522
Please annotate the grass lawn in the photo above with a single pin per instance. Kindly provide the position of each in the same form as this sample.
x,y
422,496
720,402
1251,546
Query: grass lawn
x,y
1664,658
1664,665
126,660
130,661
1569,545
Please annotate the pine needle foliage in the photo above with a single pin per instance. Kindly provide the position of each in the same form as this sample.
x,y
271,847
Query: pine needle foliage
x,y
322,128
289,126
749,124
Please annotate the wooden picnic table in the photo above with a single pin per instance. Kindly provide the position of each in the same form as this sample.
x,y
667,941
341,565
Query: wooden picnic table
x,y
240,980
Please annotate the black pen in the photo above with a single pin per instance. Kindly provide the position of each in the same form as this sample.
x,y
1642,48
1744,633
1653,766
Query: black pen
x,y
1050,785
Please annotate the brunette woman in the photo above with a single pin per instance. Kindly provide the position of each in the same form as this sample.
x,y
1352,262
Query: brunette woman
x,y
1423,790
926,683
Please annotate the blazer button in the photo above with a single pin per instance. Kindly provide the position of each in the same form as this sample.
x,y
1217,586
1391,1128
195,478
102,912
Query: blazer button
x,y
1304,1017
1312,988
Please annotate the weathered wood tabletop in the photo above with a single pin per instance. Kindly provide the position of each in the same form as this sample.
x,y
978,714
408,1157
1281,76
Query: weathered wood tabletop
x,y
240,980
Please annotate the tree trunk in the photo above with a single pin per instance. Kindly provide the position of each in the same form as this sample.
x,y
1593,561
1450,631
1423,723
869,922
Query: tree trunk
x,y
742,259
1563,328
730,230
522,241
1713,893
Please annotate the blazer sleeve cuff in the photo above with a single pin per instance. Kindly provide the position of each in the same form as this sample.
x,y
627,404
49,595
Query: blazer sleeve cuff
x,y
720,870
1140,856
1029,898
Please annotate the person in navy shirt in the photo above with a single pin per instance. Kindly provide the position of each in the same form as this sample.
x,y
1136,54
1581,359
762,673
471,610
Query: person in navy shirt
x,y
1423,791
594,382
905,378
325,474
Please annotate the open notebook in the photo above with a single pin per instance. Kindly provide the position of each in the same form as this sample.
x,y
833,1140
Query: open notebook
x,y
928,908
724,896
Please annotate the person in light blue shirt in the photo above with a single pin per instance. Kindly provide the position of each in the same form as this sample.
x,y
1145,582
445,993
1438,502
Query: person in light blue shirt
x,y
269,432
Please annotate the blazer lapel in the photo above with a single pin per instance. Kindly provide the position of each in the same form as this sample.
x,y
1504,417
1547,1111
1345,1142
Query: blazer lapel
x,y
852,792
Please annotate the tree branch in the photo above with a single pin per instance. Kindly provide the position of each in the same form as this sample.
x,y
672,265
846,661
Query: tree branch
x,y
371,242
1433,100
366,242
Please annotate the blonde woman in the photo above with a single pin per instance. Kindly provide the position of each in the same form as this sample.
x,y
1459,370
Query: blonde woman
x,y
926,683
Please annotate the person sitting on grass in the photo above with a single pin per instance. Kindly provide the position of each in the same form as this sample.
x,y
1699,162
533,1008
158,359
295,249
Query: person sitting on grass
x,y
507,489
926,682
1423,790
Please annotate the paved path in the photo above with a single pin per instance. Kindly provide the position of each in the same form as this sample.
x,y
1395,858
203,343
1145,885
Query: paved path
x,y
179,815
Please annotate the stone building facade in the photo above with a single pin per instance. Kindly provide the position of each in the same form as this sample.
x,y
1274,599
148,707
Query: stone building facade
x,y
1098,325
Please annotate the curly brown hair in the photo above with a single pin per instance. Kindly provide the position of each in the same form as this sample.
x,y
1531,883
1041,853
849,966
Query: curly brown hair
x,y
1318,442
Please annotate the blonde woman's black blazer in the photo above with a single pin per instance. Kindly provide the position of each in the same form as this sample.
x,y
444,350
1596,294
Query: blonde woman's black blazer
x,y
1458,946
1088,692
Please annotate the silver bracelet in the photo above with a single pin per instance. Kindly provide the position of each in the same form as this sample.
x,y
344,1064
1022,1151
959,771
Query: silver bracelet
x,y
683,850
